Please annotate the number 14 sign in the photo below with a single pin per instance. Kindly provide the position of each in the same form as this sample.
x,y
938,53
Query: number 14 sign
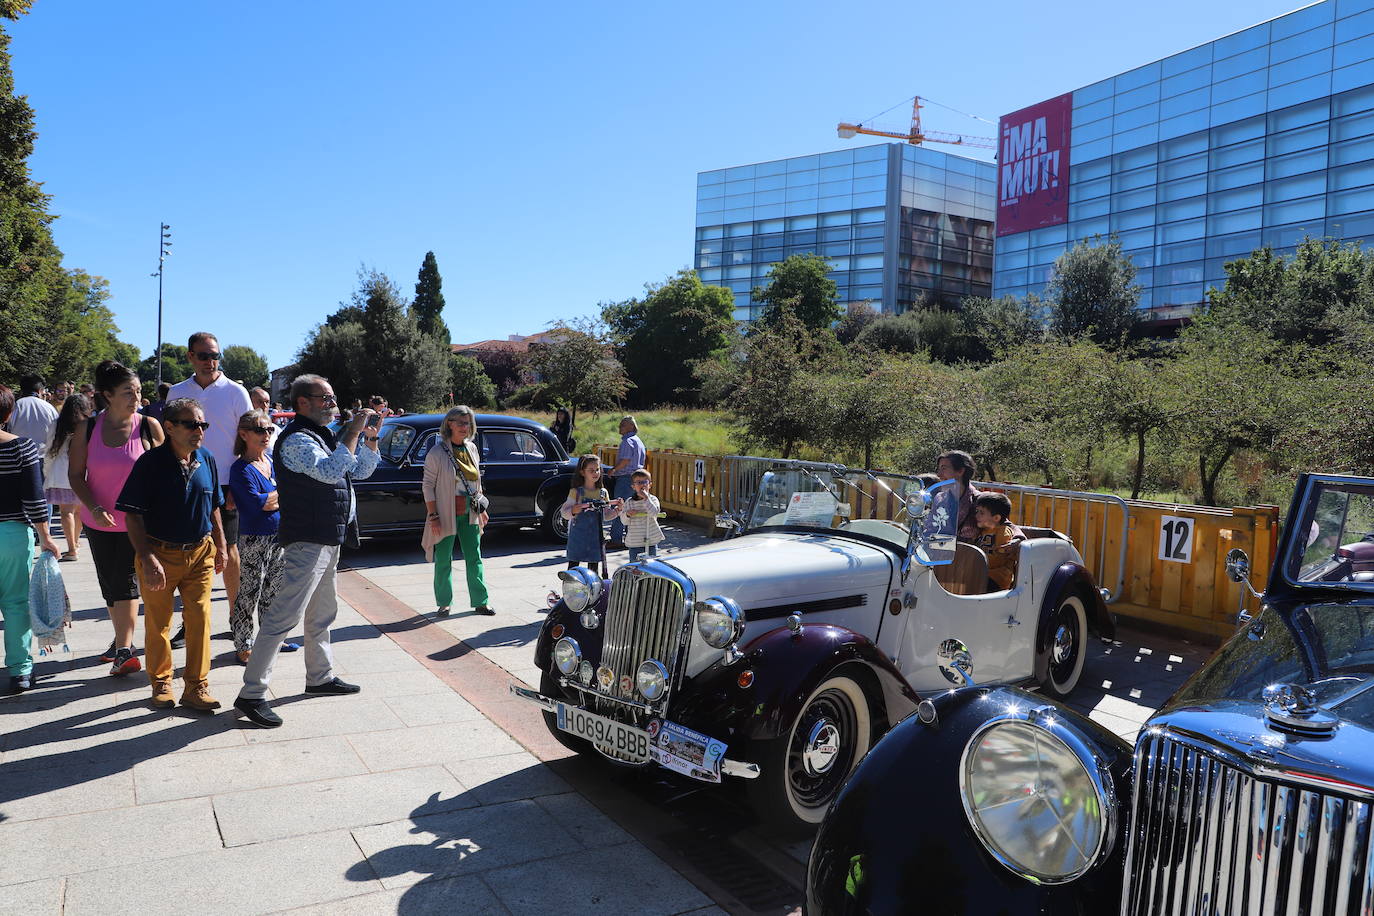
x,y
1176,539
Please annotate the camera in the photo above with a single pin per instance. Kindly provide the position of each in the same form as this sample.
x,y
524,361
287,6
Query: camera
x,y
598,503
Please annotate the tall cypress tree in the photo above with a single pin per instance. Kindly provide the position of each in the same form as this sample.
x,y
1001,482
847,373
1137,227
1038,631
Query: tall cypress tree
x,y
429,300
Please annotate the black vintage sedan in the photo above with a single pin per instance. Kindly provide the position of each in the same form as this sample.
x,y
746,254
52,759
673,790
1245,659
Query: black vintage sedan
x,y
525,473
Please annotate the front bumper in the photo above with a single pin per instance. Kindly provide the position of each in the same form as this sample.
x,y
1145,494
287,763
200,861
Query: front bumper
x,y
728,767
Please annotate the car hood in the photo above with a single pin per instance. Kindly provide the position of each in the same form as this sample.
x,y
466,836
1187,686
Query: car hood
x,y
772,568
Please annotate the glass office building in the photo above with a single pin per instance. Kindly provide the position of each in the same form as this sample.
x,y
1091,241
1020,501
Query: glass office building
x,y
1262,137
899,224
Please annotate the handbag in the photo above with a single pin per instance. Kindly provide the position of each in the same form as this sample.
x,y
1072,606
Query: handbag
x,y
462,500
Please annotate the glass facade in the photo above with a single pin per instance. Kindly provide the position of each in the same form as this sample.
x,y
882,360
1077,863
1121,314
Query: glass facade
x,y
898,223
1259,138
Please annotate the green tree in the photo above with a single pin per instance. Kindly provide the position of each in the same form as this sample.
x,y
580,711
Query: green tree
x,y
428,306
335,352
856,318
407,367
868,408
1092,293
996,326
802,284
84,333
176,365
576,368
468,382
891,334
677,323
779,398
245,366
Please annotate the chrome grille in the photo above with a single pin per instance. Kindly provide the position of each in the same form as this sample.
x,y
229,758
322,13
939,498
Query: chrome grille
x,y
644,619
1209,838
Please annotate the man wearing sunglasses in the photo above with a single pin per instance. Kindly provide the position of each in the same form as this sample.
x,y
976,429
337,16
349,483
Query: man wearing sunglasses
x,y
223,400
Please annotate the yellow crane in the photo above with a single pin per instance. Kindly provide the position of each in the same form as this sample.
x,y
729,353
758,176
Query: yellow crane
x,y
917,136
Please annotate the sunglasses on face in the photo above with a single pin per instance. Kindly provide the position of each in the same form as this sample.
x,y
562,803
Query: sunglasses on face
x,y
260,430
190,424
207,356
325,398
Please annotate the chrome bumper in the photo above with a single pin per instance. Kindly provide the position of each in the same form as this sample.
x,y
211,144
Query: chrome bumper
x,y
728,767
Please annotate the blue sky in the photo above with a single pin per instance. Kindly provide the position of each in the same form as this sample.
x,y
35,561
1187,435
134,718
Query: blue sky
x,y
547,153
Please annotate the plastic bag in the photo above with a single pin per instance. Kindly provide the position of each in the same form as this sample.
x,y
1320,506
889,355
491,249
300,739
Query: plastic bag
x,y
50,611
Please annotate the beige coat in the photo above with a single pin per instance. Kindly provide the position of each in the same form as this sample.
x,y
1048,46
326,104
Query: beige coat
x,y
440,485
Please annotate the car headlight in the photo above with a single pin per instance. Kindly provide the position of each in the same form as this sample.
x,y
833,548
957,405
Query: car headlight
x,y
581,587
567,655
651,679
1036,796
719,621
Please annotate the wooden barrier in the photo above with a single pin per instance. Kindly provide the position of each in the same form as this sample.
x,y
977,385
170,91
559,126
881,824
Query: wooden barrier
x,y
684,484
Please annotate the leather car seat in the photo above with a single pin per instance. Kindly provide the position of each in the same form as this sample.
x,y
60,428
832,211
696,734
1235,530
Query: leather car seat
x,y
968,574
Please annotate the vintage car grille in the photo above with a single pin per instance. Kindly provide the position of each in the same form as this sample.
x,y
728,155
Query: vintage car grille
x,y
1209,838
644,620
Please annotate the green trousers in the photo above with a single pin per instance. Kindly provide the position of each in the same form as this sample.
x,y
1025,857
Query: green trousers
x,y
16,563
470,546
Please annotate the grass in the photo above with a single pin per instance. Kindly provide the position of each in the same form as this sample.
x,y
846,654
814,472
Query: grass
x,y
697,432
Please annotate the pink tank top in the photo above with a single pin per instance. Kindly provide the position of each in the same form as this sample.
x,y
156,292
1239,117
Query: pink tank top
x,y
107,469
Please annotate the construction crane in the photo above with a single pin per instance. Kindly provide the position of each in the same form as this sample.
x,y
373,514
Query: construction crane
x,y
917,136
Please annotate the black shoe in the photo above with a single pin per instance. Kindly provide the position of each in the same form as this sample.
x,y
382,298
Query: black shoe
x,y
21,682
335,687
484,611
259,712
179,640
109,654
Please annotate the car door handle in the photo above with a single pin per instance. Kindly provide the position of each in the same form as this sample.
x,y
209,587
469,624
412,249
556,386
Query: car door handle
x,y
551,470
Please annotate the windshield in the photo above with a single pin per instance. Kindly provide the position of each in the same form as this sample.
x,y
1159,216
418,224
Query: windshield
x,y
834,499
1335,542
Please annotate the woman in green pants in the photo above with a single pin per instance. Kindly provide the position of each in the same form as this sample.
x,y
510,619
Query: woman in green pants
x,y
453,495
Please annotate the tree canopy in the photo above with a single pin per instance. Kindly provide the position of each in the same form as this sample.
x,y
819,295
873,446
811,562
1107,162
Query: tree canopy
x,y
428,306
245,366
1092,293
576,368
801,283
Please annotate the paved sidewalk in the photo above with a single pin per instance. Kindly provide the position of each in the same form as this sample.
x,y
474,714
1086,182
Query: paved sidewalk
x,y
402,799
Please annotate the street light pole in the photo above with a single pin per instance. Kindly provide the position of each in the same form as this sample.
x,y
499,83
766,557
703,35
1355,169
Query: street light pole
x,y
164,248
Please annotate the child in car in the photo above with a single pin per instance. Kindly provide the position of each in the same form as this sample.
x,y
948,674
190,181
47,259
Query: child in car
x,y
997,537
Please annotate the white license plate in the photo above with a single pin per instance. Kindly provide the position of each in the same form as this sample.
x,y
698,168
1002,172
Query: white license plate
x,y
627,742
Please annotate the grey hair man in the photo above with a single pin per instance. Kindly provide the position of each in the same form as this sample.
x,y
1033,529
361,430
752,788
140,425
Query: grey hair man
x,y
628,459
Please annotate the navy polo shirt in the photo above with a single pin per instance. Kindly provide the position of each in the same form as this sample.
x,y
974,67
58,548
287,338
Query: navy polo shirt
x,y
176,504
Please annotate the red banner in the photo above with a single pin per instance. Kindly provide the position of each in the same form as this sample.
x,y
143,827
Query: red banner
x,y
1033,166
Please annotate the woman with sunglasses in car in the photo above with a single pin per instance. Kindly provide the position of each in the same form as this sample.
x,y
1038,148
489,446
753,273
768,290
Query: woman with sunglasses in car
x,y
254,486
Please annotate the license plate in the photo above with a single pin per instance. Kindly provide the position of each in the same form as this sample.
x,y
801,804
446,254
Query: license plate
x,y
629,743
689,752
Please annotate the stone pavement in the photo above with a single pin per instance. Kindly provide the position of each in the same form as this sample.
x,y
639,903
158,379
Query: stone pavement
x,y
408,798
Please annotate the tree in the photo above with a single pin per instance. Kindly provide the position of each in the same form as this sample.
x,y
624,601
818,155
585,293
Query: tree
x,y
996,326
576,368
859,316
245,365
468,382
801,283
335,351
891,334
678,322
84,334
176,365
868,408
1092,293
429,300
779,397
503,367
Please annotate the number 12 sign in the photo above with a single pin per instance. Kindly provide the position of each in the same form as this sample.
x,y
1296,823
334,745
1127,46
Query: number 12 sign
x,y
1176,539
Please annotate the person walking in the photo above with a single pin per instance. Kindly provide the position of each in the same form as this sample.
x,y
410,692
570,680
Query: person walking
x,y
628,459
71,423
452,488
223,400
255,491
33,417
171,503
315,474
23,518
99,461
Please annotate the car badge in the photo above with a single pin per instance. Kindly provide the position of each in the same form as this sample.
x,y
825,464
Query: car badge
x,y
605,676
652,727
1292,707
626,683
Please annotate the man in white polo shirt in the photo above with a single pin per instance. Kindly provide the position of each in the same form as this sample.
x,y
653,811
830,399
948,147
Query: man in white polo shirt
x,y
223,401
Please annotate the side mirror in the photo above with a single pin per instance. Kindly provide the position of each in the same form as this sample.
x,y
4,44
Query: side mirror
x,y
956,663
1237,565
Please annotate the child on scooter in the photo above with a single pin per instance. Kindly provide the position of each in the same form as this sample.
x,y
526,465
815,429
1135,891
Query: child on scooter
x,y
587,507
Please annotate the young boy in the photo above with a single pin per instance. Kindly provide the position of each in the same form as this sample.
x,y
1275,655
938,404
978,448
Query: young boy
x,y
997,537
642,533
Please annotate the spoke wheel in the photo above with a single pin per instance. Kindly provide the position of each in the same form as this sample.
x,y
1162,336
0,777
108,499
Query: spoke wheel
x,y
554,525
825,743
1068,634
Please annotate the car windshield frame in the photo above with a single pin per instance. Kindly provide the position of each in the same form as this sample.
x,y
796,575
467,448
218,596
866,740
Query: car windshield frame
x,y
774,507
1320,526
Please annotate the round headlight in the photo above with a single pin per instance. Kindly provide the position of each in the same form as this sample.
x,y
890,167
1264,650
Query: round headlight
x,y
719,621
567,655
581,587
650,679
1037,798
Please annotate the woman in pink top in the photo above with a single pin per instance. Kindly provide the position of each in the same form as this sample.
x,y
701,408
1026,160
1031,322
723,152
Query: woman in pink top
x,y
102,455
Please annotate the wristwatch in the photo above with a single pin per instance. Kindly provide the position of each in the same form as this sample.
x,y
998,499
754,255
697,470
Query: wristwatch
x,y
371,438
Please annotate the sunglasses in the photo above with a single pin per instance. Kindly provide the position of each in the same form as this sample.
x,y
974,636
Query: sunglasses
x,y
260,430
207,356
326,398
190,424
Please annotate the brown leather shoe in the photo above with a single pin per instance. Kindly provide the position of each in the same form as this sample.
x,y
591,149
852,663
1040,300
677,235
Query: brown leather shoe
x,y
163,698
198,697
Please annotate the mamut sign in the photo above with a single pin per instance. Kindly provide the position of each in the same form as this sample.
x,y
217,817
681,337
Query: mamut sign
x,y
1033,166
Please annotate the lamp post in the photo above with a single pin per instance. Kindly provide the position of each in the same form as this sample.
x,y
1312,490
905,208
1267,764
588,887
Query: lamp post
x,y
164,248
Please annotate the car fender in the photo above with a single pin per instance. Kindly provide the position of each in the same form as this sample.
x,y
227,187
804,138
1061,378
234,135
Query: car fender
x,y
1069,577
589,641
898,840
552,492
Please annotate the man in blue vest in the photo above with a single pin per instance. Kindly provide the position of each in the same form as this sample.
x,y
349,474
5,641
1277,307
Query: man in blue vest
x,y
315,474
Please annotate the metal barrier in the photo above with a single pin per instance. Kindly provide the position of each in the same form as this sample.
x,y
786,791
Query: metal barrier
x,y
740,476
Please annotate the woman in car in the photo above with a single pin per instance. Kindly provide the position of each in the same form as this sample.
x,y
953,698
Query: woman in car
x,y
956,465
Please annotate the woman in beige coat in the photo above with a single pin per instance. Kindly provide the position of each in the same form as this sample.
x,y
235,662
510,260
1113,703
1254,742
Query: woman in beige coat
x,y
451,487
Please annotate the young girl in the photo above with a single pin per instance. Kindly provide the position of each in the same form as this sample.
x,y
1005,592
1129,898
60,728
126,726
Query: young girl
x,y
642,533
585,533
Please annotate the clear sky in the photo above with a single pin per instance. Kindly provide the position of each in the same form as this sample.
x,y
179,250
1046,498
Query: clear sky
x,y
547,153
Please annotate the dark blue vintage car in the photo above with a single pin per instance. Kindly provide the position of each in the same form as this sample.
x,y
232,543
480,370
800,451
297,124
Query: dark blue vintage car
x,y
525,473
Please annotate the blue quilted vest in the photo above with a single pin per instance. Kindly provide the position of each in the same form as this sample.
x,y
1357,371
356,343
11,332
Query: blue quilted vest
x,y
310,510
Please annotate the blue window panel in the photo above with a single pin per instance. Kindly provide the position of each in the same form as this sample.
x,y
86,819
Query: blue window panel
x,y
1239,65
1142,257
711,232
872,167
876,183
1136,117
1181,209
1293,188
1184,124
1082,133
1302,20
1355,26
716,177
1316,87
1241,41
769,211
710,191
1239,176
799,207
1238,153
1186,60
738,215
1294,140
1145,95
1237,109
1184,187
1229,245
1310,208
1136,178
836,202
1295,164
1299,115
739,200
1134,159
1287,237
1184,146
1352,77
1087,190
838,157
770,183
836,172
1089,95
1235,221
1352,101
1015,242
1304,43
1133,219
1350,201
1097,207
1237,131
1186,83
1137,238
1133,79
1190,272
1178,252
1129,200
870,199
802,179
1300,68
1350,225
1178,232
1356,150
1144,277
1236,198
1353,52
1130,139
1087,228
739,172
803,164
1094,150
1179,168
1351,176
1185,102
1049,234
866,153
1351,7
1239,87
768,197
1011,259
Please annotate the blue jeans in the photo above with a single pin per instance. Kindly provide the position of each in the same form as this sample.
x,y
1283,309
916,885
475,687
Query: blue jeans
x,y
623,490
637,552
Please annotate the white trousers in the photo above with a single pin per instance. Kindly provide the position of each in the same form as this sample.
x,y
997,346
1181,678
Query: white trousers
x,y
306,591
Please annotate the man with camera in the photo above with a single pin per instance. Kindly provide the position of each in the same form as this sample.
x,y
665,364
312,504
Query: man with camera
x,y
315,474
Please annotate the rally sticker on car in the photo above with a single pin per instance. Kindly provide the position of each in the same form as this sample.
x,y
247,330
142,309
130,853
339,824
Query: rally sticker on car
x,y
688,752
